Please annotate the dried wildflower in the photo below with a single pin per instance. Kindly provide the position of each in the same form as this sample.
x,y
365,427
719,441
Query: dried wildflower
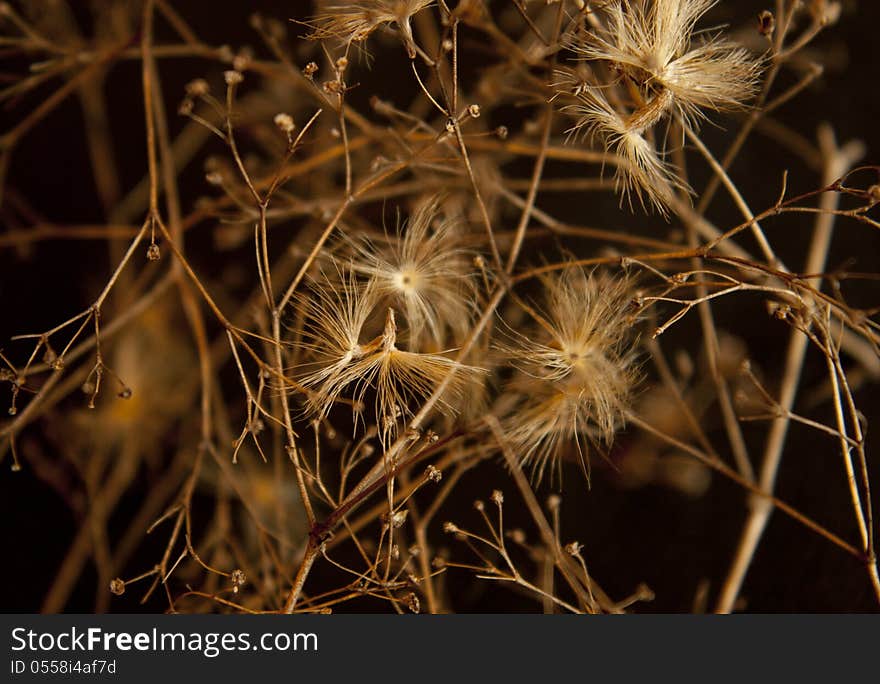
x,y
353,22
427,273
576,375
667,71
337,314
640,170
433,474
285,123
653,44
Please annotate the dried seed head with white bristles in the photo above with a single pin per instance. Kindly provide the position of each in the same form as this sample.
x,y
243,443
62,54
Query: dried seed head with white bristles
x,y
338,314
353,22
575,376
655,46
665,70
426,273
639,168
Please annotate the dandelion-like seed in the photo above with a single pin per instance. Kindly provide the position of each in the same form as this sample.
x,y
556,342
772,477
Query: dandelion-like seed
x,y
640,170
669,68
427,274
353,22
337,314
576,375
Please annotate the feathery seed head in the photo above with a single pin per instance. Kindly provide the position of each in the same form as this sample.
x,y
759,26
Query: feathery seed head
x,y
426,273
353,22
667,70
339,314
653,43
577,373
640,170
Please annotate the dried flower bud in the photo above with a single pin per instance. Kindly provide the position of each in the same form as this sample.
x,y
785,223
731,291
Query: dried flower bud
x,y
240,62
232,77
117,587
432,474
573,548
197,88
285,123
766,23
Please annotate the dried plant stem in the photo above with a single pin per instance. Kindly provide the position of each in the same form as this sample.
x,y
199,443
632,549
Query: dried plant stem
x,y
766,249
837,162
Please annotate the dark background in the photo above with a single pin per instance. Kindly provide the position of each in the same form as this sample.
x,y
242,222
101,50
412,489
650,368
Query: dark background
x,y
650,535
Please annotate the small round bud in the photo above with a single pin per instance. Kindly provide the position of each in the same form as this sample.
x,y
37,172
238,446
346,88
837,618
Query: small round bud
x,y
232,77
573,548
240,62
153,252
432,474
285,123
766,23
117,587
197,87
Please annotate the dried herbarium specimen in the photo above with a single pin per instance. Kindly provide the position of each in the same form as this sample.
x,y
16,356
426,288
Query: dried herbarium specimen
x,y
285,287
